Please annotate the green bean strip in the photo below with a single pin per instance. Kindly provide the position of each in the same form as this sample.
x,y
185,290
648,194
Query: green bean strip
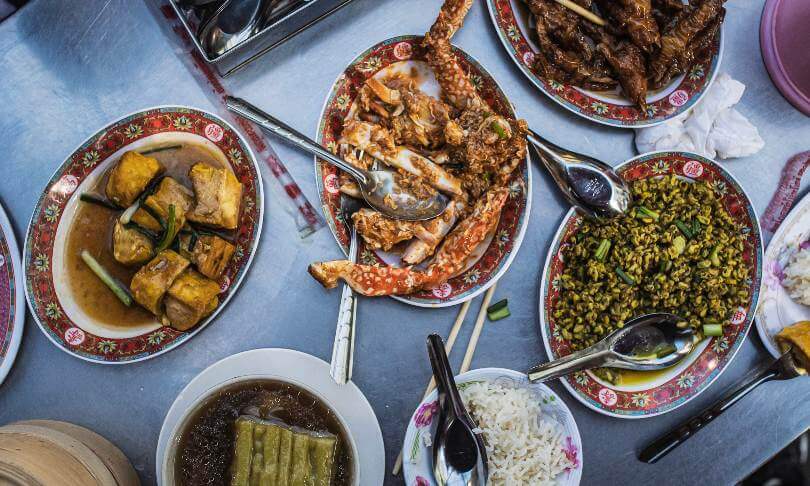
x,y
684,229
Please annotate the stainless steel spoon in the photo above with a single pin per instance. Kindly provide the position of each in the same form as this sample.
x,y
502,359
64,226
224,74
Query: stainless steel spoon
x,y
380,188
231,23
459,455
646,343
590,185
783,368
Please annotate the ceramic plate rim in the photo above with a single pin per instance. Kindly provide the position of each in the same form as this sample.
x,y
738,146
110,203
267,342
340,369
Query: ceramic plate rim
x,y
271,361
803,204
521,233
235,285
489,373
549,256
18,307
617,124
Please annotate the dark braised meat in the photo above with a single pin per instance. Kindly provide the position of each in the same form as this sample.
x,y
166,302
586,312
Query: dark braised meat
x,y
645,44
567,54
685,35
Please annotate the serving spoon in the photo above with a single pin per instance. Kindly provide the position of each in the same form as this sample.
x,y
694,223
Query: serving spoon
x,y
646,343
590,185
230,24
380,188
783,368
459,455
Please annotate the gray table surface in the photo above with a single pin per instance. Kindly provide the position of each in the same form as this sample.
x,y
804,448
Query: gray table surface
x,y
69,67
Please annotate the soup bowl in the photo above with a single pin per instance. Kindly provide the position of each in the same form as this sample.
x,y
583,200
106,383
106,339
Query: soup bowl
x,y
358,424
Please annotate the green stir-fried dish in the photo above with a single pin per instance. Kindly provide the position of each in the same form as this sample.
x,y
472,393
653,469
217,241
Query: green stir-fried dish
x,y
677,250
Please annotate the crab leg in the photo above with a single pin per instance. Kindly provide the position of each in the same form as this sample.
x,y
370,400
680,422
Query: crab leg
x,y
376,141
452,255
430,234
367,279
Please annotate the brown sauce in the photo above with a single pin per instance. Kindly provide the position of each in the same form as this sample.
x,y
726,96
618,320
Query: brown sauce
x,y
91,230
205,447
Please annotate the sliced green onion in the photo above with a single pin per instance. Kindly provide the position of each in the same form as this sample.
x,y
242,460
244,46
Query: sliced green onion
x,y
684,229
161,149
666,350
498,310
117,287
92,198
126,216
169,233
714,256
601,252
148,233
643,213
695,227
712,329
497,128
627,278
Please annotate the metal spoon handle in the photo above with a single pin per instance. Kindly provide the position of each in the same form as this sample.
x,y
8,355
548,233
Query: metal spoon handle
x,y
342,362
669,441
443,373
593,357
281,129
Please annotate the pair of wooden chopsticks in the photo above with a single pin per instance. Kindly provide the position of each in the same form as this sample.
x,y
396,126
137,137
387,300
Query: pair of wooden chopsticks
x,y
583,12
448,346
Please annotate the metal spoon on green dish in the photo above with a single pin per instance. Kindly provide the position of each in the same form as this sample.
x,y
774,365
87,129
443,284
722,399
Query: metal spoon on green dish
x,y
646,343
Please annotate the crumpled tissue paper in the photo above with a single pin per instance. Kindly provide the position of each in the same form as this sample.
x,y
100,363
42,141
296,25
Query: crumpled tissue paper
x,y
713,128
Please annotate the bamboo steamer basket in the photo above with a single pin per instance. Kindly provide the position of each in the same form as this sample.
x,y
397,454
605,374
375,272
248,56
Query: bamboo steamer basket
x,y
45,452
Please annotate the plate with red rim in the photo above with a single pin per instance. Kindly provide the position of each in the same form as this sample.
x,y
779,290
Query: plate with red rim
x,y
511,19
49,296
663,391
12,300
493,257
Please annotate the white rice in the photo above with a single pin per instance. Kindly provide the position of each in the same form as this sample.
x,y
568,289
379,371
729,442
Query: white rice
x,y
522,446
797,277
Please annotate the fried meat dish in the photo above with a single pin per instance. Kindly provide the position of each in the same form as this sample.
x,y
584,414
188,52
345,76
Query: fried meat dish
x,y
645,44
457,145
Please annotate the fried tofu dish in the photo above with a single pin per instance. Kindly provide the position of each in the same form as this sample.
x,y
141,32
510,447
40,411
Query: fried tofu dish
x,y
643,45
171,234
457,144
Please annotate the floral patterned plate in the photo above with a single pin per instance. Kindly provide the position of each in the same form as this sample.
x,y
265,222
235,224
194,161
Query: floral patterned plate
x,y
659,392
607,107
777,309
50,298
405,54
417,459
12,301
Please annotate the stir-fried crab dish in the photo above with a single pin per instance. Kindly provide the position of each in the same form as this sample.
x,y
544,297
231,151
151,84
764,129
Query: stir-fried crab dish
x,y
456,144
643,46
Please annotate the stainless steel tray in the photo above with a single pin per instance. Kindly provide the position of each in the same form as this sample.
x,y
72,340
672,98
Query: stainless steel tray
x,y
308,13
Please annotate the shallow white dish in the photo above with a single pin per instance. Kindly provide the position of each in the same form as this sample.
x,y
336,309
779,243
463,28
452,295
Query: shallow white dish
x,y
12,297
300,369
417,458
777,310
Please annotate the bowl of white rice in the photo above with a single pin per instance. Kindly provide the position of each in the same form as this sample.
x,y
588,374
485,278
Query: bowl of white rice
x,y
529,433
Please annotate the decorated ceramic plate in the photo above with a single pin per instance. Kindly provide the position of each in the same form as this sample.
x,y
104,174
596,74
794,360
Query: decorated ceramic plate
x,y
777,310
347,402
649,394
511,19
62,306
405,55
12,306
417,458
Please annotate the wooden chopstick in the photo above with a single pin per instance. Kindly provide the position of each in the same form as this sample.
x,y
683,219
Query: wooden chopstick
x,y
583,12
448,346
479,325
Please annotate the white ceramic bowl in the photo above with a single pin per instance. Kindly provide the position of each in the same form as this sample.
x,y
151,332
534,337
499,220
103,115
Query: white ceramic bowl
x,y
283,365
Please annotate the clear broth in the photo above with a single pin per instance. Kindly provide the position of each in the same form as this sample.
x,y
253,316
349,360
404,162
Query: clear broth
x,y
91,230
